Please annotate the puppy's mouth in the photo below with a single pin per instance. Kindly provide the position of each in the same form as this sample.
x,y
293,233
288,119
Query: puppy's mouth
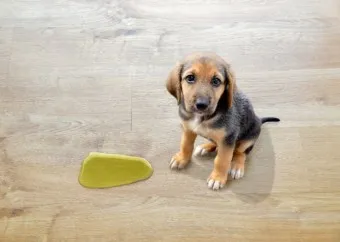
x,y
201,112
206,112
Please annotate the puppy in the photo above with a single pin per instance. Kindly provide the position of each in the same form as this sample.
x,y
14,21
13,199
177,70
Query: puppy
x,y
210,105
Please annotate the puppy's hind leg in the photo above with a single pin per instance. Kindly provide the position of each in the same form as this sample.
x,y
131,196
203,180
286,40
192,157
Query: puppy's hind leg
x,y
239,158
204,149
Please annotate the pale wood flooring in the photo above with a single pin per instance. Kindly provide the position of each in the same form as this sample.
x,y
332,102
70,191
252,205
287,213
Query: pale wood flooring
x,y
80,76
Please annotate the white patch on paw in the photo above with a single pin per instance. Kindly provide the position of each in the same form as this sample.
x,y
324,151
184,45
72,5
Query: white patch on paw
x,y
236,173
175,164
199,151
215,185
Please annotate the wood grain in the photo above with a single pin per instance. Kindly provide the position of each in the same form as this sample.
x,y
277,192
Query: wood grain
x,y
81,76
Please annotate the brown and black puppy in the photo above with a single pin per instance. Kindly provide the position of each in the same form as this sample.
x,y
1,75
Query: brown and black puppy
x,y
210,105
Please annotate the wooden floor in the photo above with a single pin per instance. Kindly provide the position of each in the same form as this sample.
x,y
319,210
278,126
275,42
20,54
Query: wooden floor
x,y
80,76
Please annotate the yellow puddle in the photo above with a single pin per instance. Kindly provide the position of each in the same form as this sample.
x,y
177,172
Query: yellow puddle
x,y
101,170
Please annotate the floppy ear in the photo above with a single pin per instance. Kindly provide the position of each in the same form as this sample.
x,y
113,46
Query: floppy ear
x,y
173,83
231,85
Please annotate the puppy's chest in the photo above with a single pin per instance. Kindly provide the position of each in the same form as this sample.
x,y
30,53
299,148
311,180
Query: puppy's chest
x,y
205,129
199,127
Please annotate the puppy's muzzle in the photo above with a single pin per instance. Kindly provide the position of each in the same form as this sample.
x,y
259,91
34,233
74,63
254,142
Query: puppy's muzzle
x,y
202,103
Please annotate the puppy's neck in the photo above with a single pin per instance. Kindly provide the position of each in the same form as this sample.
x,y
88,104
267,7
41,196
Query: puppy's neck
x,y
195,124
198,118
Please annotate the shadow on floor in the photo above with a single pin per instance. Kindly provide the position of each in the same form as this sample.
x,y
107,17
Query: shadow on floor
x,y
258,181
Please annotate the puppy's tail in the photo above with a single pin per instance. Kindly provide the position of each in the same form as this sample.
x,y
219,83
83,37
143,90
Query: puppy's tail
x,y
269,119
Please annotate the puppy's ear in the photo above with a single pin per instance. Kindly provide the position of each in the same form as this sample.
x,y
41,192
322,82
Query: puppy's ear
x,y
230,86
173,83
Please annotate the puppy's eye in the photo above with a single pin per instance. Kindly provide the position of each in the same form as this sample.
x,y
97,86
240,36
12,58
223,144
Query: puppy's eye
x,y
190,79
216,82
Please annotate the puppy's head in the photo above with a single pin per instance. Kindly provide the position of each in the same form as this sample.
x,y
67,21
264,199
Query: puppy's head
x,y
200,82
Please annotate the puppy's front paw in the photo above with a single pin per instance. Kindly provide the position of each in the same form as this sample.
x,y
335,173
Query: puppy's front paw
x,y
237,170
178,161
217,180
204,149
200,151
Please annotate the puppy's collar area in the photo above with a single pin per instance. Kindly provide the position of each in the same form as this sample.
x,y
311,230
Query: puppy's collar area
x,y
207,117
200,118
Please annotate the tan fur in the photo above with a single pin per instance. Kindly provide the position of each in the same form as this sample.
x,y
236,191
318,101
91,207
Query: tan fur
x,y
242,146
187,146
173,84
204,73
222,164
232,86
216,135
239,156
238,162
209,147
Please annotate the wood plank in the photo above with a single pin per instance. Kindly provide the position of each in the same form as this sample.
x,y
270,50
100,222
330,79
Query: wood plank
x,y
81,76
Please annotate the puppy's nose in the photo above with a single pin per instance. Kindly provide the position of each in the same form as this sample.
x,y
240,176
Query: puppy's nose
x,y
202,103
